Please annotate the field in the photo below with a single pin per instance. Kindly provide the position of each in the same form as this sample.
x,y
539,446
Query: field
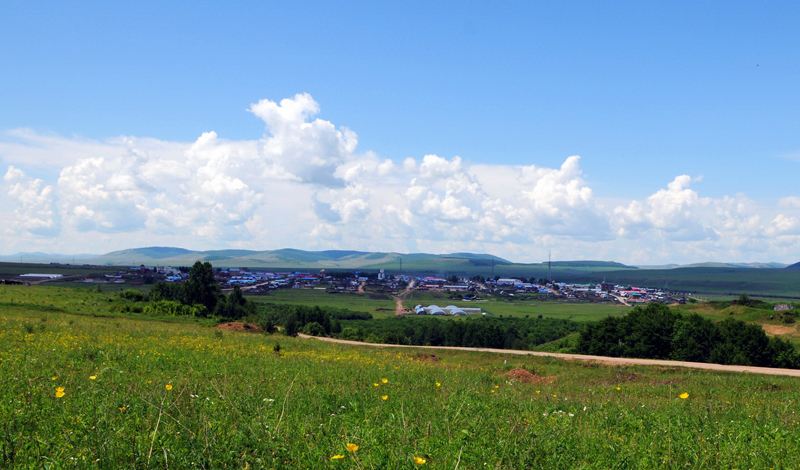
x,y
776,283
152,393
575,311
382,305
9,270
376,304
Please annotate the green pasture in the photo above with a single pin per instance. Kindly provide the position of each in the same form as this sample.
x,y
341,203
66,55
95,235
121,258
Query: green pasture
x,y
374,303
109,392
576,311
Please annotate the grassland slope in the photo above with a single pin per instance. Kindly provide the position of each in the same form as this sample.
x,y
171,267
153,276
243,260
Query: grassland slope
x,y
79,390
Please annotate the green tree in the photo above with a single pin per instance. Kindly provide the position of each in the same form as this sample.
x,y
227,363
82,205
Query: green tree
x,y
693,338
313,329
201,287
292,325
234,306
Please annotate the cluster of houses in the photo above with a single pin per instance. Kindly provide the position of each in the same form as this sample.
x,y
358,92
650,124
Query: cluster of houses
x,y
464,288
512,287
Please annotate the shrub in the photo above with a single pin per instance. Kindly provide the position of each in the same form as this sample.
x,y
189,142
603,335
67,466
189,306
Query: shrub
x,y
133,295
172,308
313,329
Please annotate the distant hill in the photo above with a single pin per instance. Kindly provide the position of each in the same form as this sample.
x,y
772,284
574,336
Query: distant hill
x,y
154,252
713,264
290,258
591,264
39,257
794,267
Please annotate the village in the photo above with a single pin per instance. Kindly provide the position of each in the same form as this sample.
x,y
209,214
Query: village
x,y
457,288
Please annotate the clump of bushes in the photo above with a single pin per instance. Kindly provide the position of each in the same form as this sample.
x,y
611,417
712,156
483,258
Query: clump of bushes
x,y
657,332
199,296
173,308
295,318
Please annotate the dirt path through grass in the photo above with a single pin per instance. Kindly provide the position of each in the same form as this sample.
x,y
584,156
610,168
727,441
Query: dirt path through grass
x,y
399,307
612,361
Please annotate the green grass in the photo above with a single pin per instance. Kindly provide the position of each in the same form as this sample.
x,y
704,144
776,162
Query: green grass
x,y
75,300
235,403
774,283
575,311
382,305
376,304
15,269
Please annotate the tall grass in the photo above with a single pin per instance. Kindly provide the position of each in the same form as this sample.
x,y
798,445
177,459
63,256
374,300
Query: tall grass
x,y
235,400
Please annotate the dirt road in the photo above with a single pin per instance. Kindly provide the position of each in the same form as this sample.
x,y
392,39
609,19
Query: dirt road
x,y
621,300
612,361
399,307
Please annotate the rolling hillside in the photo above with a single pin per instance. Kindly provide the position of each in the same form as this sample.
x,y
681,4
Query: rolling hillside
x,y
289,258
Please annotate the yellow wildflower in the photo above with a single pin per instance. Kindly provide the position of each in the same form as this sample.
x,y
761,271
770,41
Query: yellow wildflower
x,y
618,388
168,387
384,380
123,409
384,397
337,457
92,377
438,384
60,392
376,385
684,395
54,378
351,447
420,460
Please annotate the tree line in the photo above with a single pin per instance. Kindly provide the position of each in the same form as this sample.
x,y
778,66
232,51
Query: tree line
x,y
657,332
485,332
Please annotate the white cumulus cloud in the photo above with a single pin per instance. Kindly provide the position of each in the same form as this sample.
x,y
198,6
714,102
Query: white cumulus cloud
x,y
33,202
305,183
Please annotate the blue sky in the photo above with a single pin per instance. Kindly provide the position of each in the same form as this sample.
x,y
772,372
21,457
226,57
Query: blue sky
x,y
643,91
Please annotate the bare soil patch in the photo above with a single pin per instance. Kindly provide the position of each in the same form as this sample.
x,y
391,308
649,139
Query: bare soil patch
x,y
240,326
778,330
524,376
626,377
426,357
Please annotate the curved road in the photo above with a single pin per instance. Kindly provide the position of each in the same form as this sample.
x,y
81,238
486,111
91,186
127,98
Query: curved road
x,y
612,361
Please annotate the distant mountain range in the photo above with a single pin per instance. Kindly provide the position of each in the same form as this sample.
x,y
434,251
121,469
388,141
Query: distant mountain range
x,y
289,258
282,258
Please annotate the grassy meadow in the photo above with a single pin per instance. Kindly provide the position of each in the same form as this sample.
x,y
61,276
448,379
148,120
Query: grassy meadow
x,y
382,305
80,390
376,304
576,311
